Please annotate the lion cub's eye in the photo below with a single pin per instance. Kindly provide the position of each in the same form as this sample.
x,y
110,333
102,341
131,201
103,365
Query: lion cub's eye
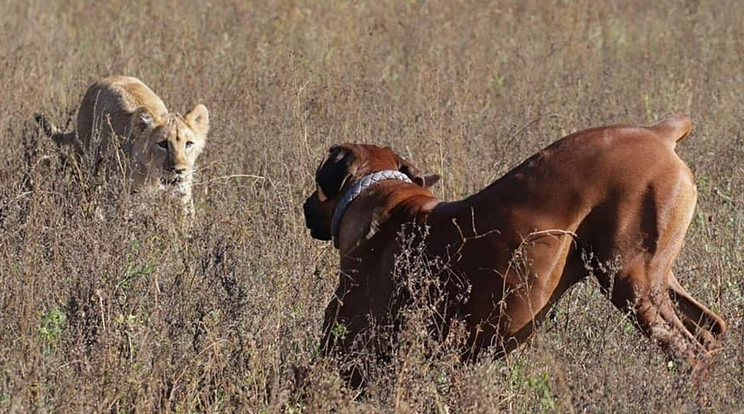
x,y
189,144
163,144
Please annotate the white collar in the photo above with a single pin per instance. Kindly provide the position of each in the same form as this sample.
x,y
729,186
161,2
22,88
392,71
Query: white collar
x,y
357,188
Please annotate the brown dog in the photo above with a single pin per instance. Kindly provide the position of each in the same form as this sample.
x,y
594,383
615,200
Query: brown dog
x,y
616,200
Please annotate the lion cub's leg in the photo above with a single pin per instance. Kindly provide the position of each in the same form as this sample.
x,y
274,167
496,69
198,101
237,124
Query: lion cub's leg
x,y
186,215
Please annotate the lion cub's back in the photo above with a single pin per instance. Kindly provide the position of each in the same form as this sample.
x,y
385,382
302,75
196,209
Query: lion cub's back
x,y
109,103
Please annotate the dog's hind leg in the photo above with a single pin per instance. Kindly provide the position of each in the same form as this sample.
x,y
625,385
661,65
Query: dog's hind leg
x,y
701,321
644,297
657,318
648,244
648,291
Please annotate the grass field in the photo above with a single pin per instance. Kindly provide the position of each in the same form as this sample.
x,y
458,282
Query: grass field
x,y
128,315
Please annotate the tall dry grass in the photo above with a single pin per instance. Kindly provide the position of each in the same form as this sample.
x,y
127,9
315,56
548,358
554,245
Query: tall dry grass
x,y
130,315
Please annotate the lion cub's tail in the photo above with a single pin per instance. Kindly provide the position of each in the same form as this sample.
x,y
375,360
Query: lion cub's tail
x,y
51,130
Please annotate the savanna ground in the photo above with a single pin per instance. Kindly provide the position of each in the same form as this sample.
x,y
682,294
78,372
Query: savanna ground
x,y
128,315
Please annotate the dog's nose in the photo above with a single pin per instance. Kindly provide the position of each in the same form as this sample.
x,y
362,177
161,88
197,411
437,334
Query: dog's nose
x,y
312,219
178,171
308,214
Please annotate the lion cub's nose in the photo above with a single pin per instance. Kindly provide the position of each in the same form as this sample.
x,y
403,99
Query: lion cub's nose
x,y
178,170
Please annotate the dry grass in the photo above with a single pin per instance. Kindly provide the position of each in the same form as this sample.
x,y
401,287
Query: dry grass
x,y
130,316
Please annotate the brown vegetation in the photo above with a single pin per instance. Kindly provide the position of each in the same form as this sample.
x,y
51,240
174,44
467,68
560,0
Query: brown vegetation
x,y
131,315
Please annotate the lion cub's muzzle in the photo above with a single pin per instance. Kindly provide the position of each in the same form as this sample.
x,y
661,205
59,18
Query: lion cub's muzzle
x,y
174,176
171,180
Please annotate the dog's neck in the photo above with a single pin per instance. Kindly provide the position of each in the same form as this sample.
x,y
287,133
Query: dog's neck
x,y
357,189
383,204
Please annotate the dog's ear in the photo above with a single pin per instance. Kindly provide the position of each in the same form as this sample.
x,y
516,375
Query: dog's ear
x,y
425,181
334,171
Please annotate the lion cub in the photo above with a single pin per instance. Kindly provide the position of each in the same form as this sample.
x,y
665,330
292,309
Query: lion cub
x,y
161,146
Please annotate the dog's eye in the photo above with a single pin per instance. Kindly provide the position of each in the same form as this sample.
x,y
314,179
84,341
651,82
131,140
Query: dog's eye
x,y
189,144
163,144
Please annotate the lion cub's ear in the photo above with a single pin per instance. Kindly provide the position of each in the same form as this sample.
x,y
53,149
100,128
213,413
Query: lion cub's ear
x,y
198,119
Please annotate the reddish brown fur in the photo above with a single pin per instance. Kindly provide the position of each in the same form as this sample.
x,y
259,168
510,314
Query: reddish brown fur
x,y
618,194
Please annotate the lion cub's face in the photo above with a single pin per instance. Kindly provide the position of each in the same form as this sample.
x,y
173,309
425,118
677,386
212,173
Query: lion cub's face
x,y
167,147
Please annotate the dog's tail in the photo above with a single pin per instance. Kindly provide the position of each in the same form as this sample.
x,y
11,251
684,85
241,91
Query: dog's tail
x,y
674,128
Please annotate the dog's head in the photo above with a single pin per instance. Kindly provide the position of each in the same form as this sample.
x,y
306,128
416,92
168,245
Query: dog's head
x,y
343,166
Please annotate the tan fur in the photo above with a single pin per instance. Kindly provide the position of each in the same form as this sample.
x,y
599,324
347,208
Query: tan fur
x,y
162,147
615,199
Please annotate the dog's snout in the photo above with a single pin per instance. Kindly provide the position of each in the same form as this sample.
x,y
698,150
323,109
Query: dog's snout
x,y
178,170
308,210
314,218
